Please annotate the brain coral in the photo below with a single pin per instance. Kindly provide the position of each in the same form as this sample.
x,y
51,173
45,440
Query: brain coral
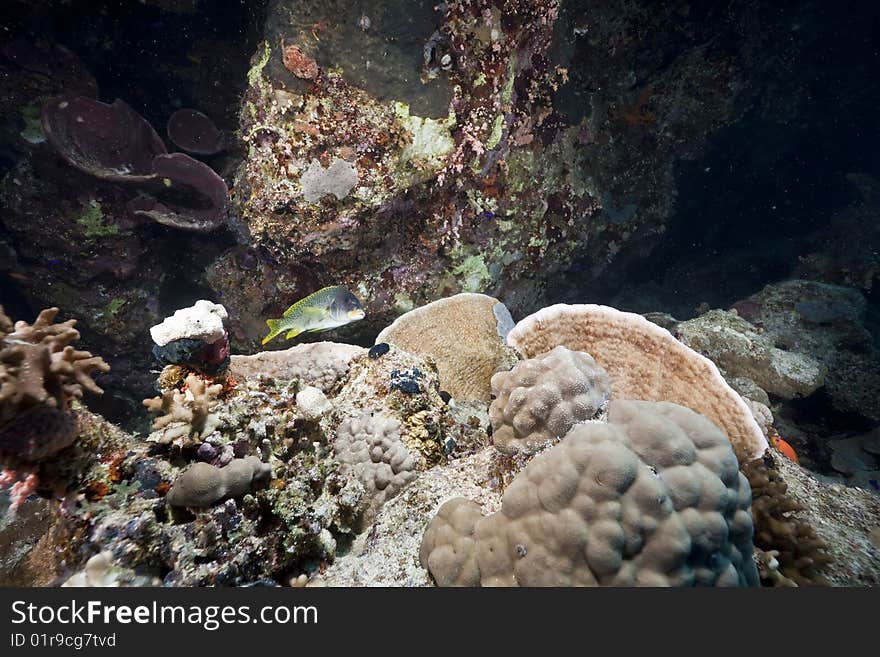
x,y
464,334
369,446
540,399
644,362
654,497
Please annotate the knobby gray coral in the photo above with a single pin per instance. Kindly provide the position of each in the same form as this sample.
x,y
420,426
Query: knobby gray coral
x,y
203,484
369,447
540,399
652,497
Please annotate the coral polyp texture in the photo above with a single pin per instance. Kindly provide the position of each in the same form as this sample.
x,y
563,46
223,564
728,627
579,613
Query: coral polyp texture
x,y
644,362
464,334
369,446
40,373
540,399
653,497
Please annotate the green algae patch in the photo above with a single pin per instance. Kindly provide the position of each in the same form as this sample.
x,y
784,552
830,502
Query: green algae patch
x,y
430,139
93,224
255,74
33,127
112,309
497,130
403,303
472,274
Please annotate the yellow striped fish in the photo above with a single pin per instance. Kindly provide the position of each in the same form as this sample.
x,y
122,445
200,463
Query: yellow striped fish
x,y
328,308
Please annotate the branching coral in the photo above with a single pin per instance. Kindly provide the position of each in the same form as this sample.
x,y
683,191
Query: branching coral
x,y
540,399
800,552
653,497
40,372
186,414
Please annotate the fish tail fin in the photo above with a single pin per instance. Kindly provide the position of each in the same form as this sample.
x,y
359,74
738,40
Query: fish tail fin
x,y
292,334
273,329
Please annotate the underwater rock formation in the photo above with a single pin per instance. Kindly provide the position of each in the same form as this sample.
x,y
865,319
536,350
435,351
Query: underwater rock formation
x,y
319,364
824,321
193,337
529,143
739,351
653,497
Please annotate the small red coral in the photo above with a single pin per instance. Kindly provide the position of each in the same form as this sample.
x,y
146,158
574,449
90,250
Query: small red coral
x,y
299,63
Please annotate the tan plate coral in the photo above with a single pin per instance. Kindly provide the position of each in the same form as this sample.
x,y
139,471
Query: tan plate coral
x,y
644,362
464,334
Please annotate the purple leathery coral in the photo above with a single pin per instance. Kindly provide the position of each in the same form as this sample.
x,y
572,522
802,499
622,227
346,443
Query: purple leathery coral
x,y
194,132
115,143
188,195
40,372
111,142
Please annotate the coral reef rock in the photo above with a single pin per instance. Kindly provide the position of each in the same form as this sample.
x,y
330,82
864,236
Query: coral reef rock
x,y
464,334
312,404
739,351
201,321
319,364
824,321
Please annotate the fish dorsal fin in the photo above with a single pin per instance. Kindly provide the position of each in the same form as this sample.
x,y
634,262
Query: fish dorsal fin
x,y
308,299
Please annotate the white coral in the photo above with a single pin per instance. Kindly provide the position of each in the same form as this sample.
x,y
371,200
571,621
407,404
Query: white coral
x,y
201,321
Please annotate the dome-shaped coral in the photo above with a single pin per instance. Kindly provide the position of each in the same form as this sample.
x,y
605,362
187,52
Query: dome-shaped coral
x,y
654,497
540,399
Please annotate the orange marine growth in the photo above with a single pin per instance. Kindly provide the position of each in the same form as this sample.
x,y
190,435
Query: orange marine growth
x,y
782,446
